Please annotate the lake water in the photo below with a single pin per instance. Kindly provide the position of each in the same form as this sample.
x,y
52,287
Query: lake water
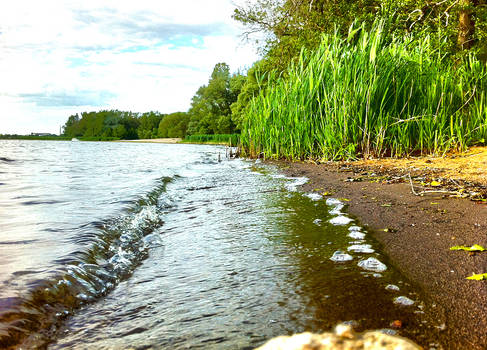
x,y
128,245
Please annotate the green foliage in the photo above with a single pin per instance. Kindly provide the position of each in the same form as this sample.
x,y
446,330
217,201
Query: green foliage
x,y
290,25
210,111
106,124
174,125
369,94
255,80
230,139
148,125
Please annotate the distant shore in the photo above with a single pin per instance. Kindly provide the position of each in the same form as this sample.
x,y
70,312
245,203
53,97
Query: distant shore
x,y
417,222
165,140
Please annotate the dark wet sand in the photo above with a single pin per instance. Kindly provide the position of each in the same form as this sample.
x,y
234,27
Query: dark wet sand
x,y
423,230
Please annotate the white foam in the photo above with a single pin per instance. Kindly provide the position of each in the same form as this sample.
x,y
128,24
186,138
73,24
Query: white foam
x,y
337,210
355,228
317,222
361,248
314,196
356,235
372,264
392,287
403,301
332,201
298,181
340,256
340,220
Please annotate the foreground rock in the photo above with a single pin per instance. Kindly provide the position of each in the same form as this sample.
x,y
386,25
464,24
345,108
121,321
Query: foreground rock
x,y
342,339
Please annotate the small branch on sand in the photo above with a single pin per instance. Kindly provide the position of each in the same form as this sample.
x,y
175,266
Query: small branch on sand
x,y
430,191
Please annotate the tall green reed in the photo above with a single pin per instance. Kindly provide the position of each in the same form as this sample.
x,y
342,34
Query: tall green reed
x,y
369,94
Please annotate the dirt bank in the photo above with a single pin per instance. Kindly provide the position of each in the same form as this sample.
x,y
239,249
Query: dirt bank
x,y
416,231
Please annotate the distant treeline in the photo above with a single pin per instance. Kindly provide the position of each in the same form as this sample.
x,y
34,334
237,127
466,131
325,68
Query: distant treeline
x,y
32,137
210,113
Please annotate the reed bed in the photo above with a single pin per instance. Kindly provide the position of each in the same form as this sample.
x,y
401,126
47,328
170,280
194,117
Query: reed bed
x,y
369,94
230,139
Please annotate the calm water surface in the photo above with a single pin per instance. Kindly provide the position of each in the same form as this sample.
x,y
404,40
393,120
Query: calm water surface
x,y
126,245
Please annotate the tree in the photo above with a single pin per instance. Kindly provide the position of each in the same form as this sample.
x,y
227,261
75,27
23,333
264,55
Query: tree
x,y
174,125
289,25
210,110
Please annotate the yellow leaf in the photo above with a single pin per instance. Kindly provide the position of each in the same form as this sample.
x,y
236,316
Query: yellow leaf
x,y
344,199
478,277
435,183
474,248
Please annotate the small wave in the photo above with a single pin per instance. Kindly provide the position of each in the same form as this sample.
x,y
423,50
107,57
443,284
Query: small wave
x,y
117,248
6,160
38,202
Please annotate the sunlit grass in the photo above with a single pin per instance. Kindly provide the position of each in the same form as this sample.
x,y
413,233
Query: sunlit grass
x,y
230,139
368,95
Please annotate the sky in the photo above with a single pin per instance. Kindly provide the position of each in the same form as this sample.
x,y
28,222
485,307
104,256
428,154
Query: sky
x,y
61,57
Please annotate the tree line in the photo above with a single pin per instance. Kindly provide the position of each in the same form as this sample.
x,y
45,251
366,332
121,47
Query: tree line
x,y
285,28
210,113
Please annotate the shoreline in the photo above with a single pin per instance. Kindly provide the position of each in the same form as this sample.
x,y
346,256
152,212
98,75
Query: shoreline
x,y
164,140
416,232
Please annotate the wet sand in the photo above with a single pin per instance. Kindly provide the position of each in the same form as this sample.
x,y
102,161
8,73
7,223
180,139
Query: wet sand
x,y
419,232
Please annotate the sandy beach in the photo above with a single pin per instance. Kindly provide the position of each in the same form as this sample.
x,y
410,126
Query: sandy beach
x,y
417,231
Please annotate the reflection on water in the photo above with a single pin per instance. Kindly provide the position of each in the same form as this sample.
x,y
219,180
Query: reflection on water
x,y
174,249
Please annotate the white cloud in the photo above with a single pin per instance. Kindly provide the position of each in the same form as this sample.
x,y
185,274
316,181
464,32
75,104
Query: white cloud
x,y
62,57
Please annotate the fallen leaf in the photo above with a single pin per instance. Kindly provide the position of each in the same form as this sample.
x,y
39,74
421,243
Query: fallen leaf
x,y
435,183
474,248
386,205
478,277
344,199
434,203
